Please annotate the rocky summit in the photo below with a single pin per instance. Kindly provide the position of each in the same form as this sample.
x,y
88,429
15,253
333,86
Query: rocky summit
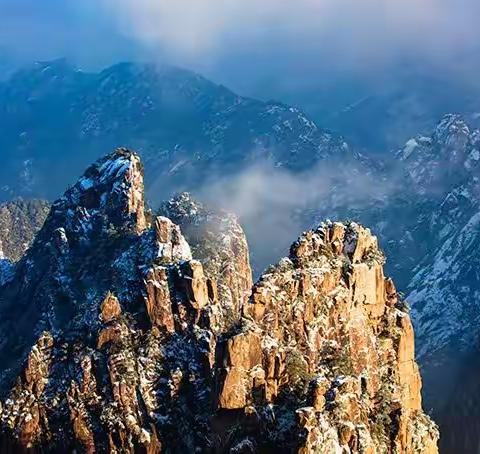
x,y
124,330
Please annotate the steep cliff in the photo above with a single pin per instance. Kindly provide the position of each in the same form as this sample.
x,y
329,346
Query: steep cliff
x,y
118,336
325,339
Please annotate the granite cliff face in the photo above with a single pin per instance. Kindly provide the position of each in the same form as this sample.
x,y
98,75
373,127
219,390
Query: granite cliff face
x,y
120,336
326,345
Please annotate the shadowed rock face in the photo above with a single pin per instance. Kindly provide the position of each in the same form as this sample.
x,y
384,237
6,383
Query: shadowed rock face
x,y
120,336
218,241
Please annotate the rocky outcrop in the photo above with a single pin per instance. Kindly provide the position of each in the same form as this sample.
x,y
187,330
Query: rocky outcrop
x,y
326,338
218,241
134,341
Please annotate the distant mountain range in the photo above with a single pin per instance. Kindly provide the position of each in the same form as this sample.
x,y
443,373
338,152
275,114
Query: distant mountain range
x,y
377,111
56,119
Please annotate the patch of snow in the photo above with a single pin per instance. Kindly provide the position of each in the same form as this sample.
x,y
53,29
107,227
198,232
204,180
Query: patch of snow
x,y
475,155
409,148
114,168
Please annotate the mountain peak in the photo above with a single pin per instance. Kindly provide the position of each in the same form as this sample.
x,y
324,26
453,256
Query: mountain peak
x,y
451,127
112,188
182,206
56,284
329,320
447,157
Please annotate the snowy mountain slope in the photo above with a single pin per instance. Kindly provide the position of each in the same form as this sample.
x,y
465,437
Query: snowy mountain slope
x,y
55,118
444,170
444,288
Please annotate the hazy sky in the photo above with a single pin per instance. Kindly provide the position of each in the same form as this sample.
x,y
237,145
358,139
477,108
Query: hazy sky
x,y
244,40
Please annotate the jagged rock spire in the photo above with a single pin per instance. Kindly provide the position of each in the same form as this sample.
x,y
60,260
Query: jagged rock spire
x,y
325,325
112,188
94,240
218,240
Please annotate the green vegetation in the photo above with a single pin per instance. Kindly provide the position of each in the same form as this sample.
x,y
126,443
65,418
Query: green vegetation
x,y
297,371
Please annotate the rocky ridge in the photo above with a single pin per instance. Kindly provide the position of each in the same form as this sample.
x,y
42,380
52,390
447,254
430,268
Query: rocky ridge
x,y
130,344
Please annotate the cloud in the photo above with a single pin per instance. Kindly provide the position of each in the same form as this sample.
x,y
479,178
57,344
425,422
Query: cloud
x,y
349,29
275,205
249,45
80,30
